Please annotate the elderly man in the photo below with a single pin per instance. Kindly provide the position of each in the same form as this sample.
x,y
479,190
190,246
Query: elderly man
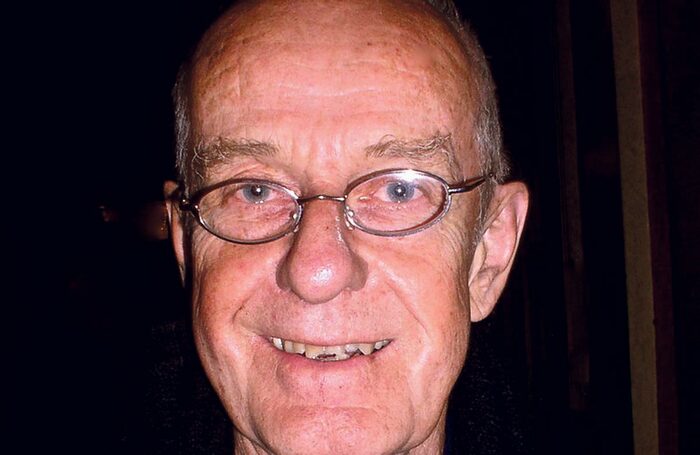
x,y
340,220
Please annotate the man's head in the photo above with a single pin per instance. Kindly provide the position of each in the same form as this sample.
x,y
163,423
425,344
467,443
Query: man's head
x,y
313,96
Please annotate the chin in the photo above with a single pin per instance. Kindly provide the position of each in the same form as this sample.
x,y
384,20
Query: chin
x,y
332,431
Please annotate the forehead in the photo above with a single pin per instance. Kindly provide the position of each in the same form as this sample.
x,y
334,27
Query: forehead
x,y
347,73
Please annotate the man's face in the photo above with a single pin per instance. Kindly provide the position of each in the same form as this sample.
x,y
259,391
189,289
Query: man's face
x,y
320,85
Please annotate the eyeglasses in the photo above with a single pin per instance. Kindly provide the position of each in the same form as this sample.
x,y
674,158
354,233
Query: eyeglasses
x,y
390,203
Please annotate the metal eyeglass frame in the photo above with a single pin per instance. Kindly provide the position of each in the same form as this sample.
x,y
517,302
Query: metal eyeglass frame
x,y
191,204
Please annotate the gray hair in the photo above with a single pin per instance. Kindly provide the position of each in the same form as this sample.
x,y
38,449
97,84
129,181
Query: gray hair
x,y
487,127
488,137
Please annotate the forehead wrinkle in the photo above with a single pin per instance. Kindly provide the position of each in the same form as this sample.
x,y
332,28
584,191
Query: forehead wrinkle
x,y
435,150
242,40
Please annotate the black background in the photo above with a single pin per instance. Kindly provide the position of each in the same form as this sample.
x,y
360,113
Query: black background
x,y
91,126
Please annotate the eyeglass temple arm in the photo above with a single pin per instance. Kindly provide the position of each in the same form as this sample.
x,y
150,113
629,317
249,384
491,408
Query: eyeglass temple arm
x,y
179,196
469,185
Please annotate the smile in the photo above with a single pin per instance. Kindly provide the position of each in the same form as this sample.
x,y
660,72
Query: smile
x,y
328,353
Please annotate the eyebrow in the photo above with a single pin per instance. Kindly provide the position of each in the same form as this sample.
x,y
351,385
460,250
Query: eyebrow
x,y
222,150
435,151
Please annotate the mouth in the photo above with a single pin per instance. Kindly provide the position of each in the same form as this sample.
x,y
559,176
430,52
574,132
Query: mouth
x,y
328,353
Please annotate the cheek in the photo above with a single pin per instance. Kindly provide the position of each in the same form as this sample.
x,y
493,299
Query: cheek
x,y
452,315
444,320
426,272
226,275
431,274
224,278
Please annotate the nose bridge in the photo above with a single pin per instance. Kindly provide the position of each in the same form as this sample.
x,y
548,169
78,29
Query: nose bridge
x,y
320,263
324,197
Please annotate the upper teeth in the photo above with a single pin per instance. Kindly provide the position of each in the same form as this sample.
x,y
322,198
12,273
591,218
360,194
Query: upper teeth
x,y
327,353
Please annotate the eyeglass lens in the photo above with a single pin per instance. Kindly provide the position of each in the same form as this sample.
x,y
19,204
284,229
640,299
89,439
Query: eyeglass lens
x,y
396,202
248,210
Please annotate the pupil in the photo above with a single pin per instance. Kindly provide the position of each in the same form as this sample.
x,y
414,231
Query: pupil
x,y
256,193
399,192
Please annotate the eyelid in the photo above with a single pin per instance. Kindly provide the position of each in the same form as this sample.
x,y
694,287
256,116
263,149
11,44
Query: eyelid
x,y
273,180
256,171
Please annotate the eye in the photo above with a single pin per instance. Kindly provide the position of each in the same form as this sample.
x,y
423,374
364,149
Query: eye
x,y
255,193
400,191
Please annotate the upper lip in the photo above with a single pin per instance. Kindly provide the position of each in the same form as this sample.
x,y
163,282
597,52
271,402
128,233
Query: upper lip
x,y
332,341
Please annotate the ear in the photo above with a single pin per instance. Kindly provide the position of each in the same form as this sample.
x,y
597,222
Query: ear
x,y
175,223
495,252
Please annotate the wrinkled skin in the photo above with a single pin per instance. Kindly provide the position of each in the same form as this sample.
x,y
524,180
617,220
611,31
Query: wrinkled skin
x,y
322,83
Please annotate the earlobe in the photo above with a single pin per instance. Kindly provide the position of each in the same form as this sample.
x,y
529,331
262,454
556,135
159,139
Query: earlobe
x,y
175,225
495,252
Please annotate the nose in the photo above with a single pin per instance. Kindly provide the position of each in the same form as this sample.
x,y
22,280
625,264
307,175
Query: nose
x,y
320,264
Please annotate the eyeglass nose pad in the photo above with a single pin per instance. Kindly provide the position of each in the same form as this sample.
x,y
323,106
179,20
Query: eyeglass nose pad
x,y
296,216
349,214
